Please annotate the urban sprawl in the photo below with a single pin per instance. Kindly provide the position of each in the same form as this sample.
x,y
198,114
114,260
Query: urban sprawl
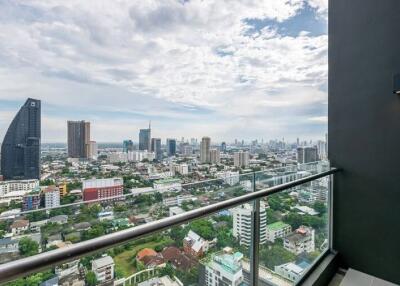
x,y
56,195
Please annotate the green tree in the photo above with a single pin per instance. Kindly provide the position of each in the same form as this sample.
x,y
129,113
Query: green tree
x,y
91,279
28,247
275,255
319,207
202,227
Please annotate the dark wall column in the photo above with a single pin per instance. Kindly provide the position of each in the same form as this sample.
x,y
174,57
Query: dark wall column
x,y
364,133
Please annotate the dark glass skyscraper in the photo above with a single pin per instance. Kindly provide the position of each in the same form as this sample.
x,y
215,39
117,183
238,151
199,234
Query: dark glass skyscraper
x,y
171,147
78,139
145,139
20,151
156,148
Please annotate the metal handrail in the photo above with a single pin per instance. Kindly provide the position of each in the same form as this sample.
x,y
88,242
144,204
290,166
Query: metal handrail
x,y
28,265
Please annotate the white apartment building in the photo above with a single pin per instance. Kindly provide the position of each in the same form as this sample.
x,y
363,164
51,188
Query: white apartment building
x,y
182,169
117,157
93,148
51,197
215,156
23,186
241,159
242,223
140,155
301,240
230,177
292,271
278,229
223,269
103,268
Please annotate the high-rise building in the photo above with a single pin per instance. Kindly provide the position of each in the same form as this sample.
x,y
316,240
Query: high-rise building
x,y
205,150
223,147
214,156
171,147
242,224
186,150
93,150
224,268
127,146
307,154
241,159
20,151
79,139
145,139
156,148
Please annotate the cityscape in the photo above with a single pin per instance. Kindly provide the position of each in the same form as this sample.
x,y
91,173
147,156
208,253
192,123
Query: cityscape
x,y
54,195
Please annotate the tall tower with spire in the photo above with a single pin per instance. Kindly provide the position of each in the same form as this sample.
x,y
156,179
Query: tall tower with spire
x,y
145,138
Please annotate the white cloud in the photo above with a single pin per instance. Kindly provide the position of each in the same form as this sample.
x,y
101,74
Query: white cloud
x,y
145,57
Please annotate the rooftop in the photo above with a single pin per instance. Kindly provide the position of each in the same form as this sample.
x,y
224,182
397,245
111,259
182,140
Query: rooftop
x,y
103,261
277,225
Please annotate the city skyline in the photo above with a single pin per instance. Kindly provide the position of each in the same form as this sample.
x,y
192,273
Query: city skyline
x,y
119,67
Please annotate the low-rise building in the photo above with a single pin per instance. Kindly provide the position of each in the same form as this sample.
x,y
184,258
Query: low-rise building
x,y
301,240
161,281
222,269
175,211
178,259
31,200
229,177
292,271
103,268
8,245
59,219
195,245
18,186
278,229
19,226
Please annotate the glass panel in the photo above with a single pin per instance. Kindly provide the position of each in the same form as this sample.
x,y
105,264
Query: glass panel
x,y
296,231
206,251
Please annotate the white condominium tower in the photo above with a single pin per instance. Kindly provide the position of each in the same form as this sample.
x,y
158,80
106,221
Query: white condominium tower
x,y
205,150
242,223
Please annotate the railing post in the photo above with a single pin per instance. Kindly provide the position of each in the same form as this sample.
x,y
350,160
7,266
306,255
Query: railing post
x,y
255,238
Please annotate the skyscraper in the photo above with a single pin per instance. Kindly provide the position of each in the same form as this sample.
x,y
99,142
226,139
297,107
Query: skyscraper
x,y
307,155
215,156
20,151
145,138
127,146
171,147
78,139
205,150
223,147
156,148
241,159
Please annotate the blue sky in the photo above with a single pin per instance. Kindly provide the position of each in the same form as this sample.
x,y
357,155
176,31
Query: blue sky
x,y
225,69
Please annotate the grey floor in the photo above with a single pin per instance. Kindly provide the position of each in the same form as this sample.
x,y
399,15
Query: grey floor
x,y
357,278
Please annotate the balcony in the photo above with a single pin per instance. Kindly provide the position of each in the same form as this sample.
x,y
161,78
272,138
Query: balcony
x,y
209,215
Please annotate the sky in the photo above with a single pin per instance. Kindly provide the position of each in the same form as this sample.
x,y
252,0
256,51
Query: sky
x,y
246,69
